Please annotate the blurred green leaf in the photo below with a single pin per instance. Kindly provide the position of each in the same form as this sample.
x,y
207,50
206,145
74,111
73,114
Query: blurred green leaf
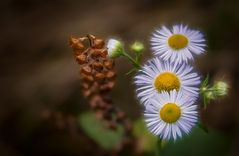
x,y
202,126
147,141
199,143
94,128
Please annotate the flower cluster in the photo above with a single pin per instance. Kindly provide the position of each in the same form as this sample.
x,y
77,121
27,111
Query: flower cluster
x,y
168,85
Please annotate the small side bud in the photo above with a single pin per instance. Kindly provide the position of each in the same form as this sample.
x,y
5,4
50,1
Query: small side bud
x,y
221,88
137,47
115,48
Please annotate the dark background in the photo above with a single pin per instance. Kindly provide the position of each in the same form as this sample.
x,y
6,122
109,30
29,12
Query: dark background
x,y
39,75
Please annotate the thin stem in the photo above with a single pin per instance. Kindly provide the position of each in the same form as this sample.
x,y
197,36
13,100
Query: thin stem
x,y
158,147
131,71
138,57
134,62
207,90
203,92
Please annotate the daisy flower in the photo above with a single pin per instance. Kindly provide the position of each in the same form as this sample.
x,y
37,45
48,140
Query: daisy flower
x,y
178,44
157,76
171,114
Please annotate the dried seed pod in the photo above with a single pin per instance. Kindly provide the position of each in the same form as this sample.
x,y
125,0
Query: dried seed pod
x,y
111,84
98,43
76,44
104,53
104,87
85,85
87,93
109,64
87,78
102,105
86,70
95,53
98,66
91,37
110,74
94,101
99,77
81,59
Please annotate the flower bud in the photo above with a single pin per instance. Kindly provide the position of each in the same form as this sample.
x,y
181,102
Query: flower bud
x,y
115,48
221,88
137,47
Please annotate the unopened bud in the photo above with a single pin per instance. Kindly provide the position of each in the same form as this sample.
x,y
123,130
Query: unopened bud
x,y
137,47
115,48
221,88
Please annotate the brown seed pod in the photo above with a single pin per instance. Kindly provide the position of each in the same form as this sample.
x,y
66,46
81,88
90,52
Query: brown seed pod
x,y
99,77
98,43
109,64
110,75
81,59
76,44
98,66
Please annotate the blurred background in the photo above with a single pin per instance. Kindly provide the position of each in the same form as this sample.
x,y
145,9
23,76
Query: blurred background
x,y
41,100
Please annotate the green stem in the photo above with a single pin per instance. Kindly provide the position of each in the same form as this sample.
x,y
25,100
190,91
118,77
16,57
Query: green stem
x,y
203,92
207,90
138,57
134,62
158,147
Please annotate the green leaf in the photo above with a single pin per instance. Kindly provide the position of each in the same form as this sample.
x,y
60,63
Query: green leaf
x,y
206,81
202,126
94,128
199,143
147,140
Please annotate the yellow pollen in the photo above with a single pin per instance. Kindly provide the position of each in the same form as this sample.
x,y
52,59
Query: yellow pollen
x,y
166,81
170,113
178,41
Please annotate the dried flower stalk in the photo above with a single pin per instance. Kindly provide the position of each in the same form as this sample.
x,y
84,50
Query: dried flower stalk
x,y
98,78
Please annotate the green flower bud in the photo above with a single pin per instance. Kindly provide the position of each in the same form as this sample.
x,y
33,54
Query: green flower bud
x,y
115,48
137,47
221,88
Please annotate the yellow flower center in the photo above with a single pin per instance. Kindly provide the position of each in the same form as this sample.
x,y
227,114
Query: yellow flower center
x,y
166,81
170,113
178,41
